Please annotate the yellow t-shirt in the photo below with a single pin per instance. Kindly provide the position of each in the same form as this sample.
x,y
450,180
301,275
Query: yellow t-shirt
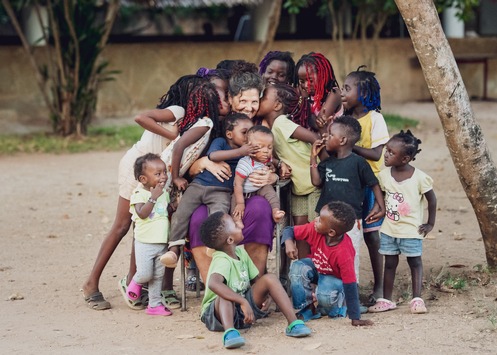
x,y
294,153
374,133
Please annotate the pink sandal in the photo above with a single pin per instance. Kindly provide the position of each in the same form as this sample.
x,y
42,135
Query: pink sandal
x,y
134,290
159,310
417,306
382,305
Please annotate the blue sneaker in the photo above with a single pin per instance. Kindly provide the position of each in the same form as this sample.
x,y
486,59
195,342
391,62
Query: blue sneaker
x,y
306,314
297,329
363,309
232,339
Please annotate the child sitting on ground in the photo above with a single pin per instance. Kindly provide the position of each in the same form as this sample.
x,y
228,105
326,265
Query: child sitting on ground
x,y
330,266
206,189
235,292
261,138
149,205
403,230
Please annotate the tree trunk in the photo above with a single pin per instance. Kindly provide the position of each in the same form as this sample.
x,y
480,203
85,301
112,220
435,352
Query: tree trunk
x,y
464,136
273,23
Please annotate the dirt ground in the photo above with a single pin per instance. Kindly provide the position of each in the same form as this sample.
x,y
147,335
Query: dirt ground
x,y
56,210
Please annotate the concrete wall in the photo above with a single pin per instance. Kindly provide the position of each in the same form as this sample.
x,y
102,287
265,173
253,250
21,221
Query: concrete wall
x,y
148,69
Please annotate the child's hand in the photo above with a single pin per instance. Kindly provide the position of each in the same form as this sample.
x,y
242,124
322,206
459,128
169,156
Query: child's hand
x,y
291,249
375,214
322,121
285,171
238,211
248,312
317,147
425,229
361,322
157,191
180,183
248,149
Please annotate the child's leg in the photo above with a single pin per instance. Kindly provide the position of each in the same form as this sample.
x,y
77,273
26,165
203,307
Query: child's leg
x,y
391,262
416,265
372,240
225,312
302,274
155,283
145,255
269,194
356,236
217,200
331,296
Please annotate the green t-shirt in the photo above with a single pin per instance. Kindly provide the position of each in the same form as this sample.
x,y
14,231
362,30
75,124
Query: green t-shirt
x,y
237,273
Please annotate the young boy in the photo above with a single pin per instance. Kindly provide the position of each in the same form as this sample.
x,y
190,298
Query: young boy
x,y
206,188
330,267
260,137
343,176
230,302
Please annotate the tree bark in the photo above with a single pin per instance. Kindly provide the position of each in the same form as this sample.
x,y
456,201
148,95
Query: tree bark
x,y
463,135
273,23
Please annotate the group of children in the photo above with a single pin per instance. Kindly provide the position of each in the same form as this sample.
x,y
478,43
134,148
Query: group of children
x,y
329,141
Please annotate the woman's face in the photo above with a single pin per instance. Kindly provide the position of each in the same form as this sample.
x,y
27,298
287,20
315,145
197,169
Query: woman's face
x,y
246,102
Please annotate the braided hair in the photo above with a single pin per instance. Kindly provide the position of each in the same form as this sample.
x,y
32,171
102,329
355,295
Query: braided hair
x,y
411,143
368,89
285,57
180,91
294,105
325,80
203,102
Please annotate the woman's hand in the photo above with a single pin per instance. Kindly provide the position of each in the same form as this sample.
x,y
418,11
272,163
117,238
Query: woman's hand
x,y
262,177
220,170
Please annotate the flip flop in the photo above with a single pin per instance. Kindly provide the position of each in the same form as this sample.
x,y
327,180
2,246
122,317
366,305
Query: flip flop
x,y
136,305
382,305
170,299
297,329
232,339
417,306
191,284
97,302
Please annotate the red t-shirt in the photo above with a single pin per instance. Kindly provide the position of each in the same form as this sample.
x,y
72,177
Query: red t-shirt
x,y
337,260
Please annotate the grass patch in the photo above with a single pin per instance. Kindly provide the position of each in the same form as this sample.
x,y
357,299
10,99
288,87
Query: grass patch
x,y
395,123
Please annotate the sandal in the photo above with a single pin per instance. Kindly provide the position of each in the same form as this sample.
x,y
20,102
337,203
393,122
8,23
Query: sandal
x,y
297,329
159,310
170,299
138,304
191,284
382,305
134,290
417,306
232,339
97,302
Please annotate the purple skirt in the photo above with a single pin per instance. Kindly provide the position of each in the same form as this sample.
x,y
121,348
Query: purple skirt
x,y
258,222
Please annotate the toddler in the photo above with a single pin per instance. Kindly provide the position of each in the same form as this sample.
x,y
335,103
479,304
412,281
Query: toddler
x,y
261,138
403,230
149,205
235,292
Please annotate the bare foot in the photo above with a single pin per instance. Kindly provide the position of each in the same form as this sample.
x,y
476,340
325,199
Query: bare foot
x,y
278,215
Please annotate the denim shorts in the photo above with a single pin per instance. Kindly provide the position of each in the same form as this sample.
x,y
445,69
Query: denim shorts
x,y
213,324
367,205
410,247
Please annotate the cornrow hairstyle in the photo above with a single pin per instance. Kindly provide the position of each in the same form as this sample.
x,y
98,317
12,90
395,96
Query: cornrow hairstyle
x,y
411,143
259,128
231,120
243,81
211,229
140,163
325,76
352,127
368,89
344,215
283,57
203,102
295,106
180,91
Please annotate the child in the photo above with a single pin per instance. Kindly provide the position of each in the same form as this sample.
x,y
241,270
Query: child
x,y
344,175
292,144
316,81
261,138
403,229
278,67
330,266
235,292
361,99
149,206
206,188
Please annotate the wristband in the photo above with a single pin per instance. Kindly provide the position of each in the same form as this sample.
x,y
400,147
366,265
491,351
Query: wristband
x,y
151,200
314,165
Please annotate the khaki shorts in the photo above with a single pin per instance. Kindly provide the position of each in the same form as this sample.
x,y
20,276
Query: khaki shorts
x,y
305,205
126,177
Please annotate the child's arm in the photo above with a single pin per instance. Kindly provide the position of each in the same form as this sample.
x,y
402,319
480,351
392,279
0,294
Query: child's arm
x,y
317,146
305,135
239,199
188,138
221,170
288,239
222,155
217,285
149,119
378,210
143,210
353,306
432,212
373,154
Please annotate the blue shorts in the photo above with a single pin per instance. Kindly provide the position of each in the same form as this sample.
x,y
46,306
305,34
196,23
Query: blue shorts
x,y
367,205
410,247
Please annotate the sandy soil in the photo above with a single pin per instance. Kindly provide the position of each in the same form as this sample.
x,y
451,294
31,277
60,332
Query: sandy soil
x,y
56,210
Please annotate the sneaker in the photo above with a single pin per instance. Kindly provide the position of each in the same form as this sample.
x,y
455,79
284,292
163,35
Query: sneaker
x,y
297,329
232,339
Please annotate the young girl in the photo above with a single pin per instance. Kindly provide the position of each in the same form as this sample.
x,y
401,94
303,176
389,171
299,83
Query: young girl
x,y
278,67
161,128
150,208
361,99
316,81
403,229
292,144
